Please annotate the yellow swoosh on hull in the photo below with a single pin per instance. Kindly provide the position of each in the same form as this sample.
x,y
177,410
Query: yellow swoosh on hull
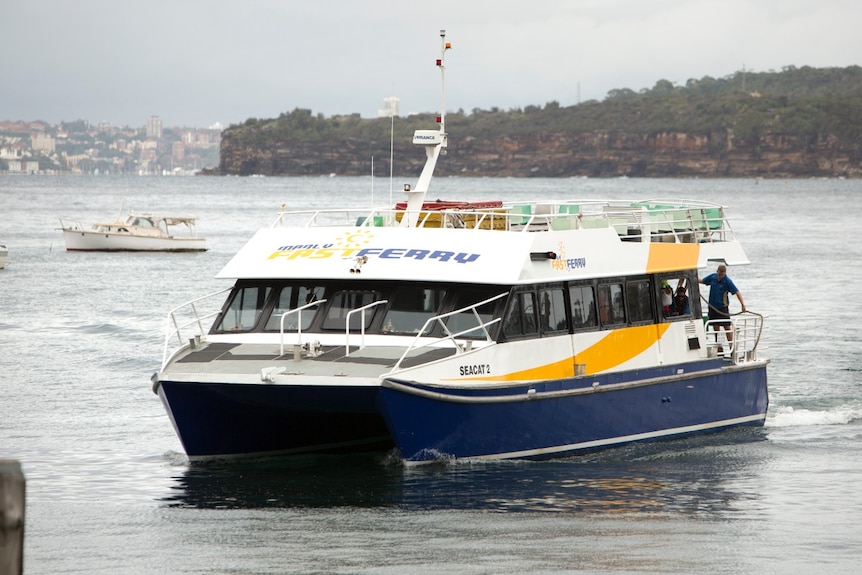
x,y
620,346
617,347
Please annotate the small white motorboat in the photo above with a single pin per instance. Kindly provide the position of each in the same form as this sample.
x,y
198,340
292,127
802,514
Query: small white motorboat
x,y
135,232
4,253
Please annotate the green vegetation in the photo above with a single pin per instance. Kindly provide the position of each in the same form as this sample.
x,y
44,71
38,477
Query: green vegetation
x,y
806,103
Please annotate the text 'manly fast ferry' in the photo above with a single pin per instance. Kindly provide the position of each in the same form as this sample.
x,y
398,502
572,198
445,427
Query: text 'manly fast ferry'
x,y
463,330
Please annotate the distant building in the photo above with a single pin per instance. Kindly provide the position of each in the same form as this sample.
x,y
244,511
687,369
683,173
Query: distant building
x,y
154,128
200,138
23,167
390,107
12,150
42,142
178,151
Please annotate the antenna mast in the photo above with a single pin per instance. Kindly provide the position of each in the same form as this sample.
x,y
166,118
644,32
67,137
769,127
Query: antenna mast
x,y
434,142
442,65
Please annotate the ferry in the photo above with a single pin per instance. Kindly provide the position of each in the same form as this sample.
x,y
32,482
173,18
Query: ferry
x,y
453,330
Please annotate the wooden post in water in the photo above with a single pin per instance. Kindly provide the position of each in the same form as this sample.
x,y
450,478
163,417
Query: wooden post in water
x,y
11,518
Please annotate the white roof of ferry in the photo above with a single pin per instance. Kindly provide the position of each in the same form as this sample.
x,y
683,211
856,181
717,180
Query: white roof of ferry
x,y
460,255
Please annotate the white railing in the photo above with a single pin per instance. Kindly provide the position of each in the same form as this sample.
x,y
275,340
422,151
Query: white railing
x,y
657,220
673,221
746,330
426,327
361,311
177,326
379,217
73,225
298,323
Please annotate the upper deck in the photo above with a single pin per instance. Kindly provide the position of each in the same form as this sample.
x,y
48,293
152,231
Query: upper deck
x,y
654,220
491,242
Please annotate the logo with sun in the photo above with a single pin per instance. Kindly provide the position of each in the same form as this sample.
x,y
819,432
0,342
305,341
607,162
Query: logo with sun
x,y
560,262
353,239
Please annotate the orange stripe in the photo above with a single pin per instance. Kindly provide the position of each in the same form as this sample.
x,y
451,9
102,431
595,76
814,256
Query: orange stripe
x,y
672,257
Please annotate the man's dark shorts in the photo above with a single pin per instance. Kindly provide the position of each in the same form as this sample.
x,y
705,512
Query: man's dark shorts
x,y
719,314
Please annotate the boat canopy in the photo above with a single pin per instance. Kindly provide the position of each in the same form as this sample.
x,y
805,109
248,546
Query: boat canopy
x,y
169,220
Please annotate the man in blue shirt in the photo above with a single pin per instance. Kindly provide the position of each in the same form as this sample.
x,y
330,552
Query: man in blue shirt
x,y
719,287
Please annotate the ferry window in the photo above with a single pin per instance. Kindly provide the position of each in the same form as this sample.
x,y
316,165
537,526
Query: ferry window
x,y
611,308
681,305
462,322
639,301
666,295
410,307
552,310
343,302
244,309
520,318
583,304
291,297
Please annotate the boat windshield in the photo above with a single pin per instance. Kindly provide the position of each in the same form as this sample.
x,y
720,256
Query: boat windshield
x,y
391,308
291,297
140,222
244,310
410,307
467,319
343,302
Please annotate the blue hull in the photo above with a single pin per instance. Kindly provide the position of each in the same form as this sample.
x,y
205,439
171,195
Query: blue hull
x,y
572,416
229,420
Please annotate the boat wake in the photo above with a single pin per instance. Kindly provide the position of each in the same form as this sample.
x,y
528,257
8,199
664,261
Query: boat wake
x,y
796,417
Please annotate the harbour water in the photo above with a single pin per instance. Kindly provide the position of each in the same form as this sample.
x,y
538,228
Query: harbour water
x,y
110,491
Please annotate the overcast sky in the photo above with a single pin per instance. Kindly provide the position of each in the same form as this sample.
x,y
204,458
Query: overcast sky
x,y
198,62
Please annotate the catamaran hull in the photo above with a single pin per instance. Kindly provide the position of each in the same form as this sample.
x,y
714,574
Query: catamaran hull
x,y
565,418
87,241
222,420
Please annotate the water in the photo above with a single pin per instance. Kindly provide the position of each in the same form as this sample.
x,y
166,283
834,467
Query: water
x,y
110,491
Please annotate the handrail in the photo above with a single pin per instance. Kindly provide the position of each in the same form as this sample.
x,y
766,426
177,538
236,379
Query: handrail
x,y
73,225
177,328
361,310
360,217
676,220
449,335
746,327
298,324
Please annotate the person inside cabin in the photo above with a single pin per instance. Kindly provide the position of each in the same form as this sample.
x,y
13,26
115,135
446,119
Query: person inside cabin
x,y
680,301
720,285
310,297
666,298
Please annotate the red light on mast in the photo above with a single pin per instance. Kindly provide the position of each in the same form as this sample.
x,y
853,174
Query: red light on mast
x,y
439,62
439,119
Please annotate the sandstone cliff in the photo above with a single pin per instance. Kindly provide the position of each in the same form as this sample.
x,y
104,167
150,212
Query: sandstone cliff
x,y
594,154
